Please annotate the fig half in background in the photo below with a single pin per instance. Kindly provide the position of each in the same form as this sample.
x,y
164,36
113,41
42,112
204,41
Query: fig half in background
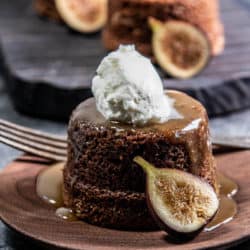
x,y
85,16
181,203
181,49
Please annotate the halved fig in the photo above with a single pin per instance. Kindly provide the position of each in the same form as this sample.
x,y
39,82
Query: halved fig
x,y
181,49
181,203
83,15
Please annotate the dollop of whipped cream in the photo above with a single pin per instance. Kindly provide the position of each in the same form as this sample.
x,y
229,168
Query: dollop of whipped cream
x,y
128,89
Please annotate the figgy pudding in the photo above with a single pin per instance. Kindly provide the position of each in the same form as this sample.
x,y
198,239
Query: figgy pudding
x,y
130,115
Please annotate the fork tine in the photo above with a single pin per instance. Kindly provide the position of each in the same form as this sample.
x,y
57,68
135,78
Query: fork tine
x,y
35,145
31,137
32,150
33,132
33,141
33,159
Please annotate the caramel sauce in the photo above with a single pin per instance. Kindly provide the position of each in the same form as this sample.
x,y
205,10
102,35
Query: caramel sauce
x,y
227,186
49,188
66,214
226,212
49,185
228,207
191,110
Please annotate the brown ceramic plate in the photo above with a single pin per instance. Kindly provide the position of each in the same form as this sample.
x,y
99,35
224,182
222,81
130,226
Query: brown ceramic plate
x,y
23,211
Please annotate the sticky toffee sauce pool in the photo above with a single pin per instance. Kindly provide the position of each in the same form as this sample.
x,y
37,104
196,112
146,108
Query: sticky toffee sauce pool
x,y
49,189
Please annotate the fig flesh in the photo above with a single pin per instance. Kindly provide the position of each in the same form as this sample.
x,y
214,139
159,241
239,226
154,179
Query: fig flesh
x,y
181,203
83,15
181,49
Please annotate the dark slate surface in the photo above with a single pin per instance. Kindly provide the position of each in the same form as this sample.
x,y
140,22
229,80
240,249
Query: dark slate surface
x,y
49,68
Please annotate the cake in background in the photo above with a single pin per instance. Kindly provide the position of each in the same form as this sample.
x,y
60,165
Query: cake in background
x,y
179,35
128,21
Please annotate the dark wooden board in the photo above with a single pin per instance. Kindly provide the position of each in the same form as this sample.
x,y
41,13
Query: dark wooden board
x,y
23,211
48,67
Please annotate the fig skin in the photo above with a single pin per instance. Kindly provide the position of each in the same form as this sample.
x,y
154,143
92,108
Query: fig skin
x,y
164,59
177,236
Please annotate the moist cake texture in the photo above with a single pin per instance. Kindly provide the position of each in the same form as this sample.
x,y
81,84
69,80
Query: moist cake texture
x,y
104,186
128,21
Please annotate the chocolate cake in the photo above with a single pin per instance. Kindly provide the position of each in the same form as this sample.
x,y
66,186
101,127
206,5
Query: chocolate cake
x,y
103,185
128,21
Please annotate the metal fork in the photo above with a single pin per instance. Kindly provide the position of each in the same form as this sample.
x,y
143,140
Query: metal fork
x,y
55,147
32,141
